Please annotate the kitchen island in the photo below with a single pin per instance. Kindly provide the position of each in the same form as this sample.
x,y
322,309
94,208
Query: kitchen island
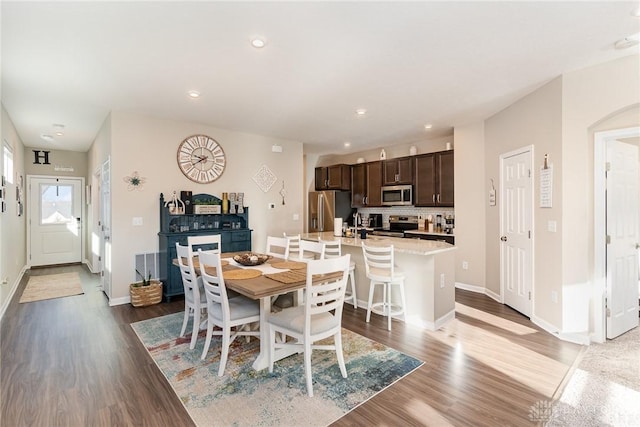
x,y
429,268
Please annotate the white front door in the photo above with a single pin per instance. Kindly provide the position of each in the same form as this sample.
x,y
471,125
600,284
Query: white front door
x,y
55,220
515,224
105,221
623,233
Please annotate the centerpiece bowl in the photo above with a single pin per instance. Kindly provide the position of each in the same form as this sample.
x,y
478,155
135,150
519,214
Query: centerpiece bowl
x,y
251,258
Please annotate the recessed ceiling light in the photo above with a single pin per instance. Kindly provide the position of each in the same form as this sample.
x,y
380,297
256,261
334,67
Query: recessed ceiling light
x,y
361,112
47,137
59,133
428,126
347,144
257,42
194,94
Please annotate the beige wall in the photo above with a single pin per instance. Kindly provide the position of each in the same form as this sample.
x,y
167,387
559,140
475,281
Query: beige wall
x,y
590,96
64,159
392,151
471,197
148,145
12,227
534,120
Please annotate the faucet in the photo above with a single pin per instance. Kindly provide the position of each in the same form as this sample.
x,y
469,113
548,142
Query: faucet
x,y
356,220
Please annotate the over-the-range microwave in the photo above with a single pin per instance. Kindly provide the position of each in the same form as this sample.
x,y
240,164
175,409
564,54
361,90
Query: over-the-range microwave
x,y
397,195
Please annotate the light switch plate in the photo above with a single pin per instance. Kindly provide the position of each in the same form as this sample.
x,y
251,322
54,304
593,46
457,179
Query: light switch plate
x,y
137,221
552,226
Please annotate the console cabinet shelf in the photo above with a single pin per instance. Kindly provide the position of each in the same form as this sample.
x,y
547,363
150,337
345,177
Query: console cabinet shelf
x,y
233,228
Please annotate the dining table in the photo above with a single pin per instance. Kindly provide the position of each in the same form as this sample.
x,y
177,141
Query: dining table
x,y
277,276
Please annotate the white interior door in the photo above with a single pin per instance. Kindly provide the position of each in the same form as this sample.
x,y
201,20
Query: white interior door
x,y
105,220
516,219
55,220
623,236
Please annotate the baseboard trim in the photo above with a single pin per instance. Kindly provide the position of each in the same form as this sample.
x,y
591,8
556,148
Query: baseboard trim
x,y
479,290
119,301
432,326
14,288
576,338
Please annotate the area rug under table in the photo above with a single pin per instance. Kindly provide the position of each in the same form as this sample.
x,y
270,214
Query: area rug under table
x,y
245,397
51,286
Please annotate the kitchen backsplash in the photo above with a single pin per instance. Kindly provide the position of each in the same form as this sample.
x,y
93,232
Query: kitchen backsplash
x,y
405,210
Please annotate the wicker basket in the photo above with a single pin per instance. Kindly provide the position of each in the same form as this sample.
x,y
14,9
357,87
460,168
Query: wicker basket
x,y
142,296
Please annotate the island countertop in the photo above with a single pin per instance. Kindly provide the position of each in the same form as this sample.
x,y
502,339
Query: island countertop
x,y
400,245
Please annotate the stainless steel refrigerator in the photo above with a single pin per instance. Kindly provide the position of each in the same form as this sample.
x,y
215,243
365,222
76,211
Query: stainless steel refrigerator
x,y
324,206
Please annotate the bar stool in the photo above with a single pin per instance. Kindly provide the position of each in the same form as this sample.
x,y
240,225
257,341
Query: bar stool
x,y
333,249
378,261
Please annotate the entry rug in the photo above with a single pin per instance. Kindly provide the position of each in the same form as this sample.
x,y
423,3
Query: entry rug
x,y
51,286
245,397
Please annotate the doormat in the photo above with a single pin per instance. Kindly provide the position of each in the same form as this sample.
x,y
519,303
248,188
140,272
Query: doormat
x,y
51,286
245,397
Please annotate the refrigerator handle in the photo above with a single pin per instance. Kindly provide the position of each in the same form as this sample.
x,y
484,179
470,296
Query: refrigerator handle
x,y
320,212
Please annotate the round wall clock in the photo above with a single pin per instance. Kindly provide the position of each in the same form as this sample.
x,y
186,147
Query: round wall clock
x,y
201,159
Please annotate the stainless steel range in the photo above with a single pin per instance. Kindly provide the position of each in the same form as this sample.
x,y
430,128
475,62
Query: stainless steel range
x,y
397,225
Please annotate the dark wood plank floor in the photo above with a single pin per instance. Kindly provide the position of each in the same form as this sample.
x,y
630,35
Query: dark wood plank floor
x,y
75,361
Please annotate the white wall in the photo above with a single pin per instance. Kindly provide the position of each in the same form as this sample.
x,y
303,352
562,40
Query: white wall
x,y
149,145
12,227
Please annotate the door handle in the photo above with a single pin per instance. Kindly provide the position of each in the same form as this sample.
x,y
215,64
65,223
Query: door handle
x,y
637,245
503,238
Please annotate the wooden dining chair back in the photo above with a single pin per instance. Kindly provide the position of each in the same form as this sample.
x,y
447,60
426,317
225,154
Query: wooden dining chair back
x,y
236,313
381,271
333,249
320,317
211,242
194,300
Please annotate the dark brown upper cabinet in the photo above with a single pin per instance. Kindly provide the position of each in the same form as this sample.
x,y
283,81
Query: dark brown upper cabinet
x,y
335,177
434,179
366,184
397,171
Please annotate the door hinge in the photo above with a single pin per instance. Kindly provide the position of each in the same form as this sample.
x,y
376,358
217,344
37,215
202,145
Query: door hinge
x,y
608,239
607,166
99,258
529,233
102,273
529,173
529,295
608,312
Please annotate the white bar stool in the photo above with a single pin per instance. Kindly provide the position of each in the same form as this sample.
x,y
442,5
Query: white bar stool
x,y
333,249
378,261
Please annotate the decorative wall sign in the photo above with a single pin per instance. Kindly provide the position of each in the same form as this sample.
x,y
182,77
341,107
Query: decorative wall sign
x,y
135,181
41,157
264,178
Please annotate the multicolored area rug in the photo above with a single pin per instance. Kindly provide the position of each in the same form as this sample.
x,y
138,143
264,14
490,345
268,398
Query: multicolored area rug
x,y
245,397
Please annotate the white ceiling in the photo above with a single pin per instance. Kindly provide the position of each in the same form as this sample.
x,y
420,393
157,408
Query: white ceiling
x,y
411,63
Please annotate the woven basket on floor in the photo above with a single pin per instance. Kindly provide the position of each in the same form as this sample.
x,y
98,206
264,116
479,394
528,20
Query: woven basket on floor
x,y
142,296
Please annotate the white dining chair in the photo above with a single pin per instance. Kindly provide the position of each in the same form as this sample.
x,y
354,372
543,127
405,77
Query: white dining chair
x,y
277,247
333,249
226,313
380,269
293,247
309,250
209,242
320,317
195,301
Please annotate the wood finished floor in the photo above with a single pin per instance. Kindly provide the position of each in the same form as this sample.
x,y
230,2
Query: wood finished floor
x,y
75,361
